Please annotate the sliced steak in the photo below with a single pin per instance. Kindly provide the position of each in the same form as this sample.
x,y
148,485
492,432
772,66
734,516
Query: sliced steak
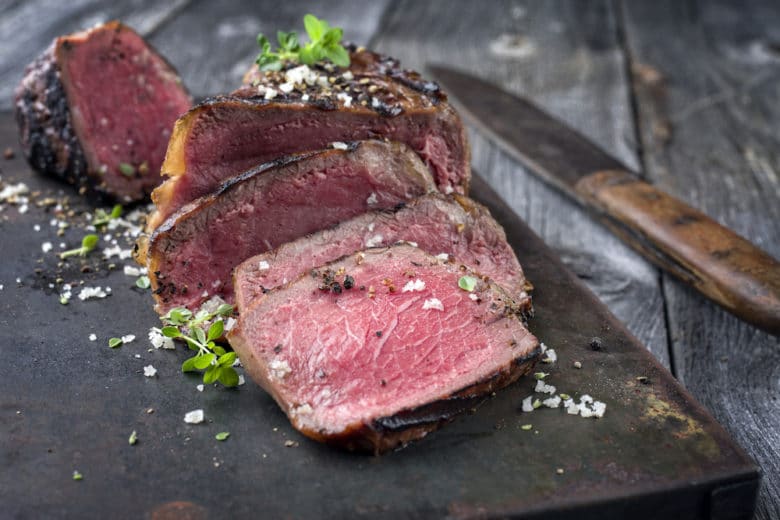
x,y
191,256
459,230
299,109
373,364
97,109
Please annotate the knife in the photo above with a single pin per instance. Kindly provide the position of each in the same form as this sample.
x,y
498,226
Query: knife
x,y
674,236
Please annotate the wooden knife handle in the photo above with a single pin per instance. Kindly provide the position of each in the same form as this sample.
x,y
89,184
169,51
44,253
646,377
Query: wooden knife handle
x,y
686,242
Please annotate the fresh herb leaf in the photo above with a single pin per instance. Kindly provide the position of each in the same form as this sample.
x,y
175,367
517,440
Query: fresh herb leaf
x,y
527,427
133,439
128,170
102,217
143,282
88,243
77,475
467,283
324,44
214,360
222,436
114,342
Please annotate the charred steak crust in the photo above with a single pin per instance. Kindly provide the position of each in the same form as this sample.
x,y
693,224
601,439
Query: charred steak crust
x,y
390,431
373,99
46,133
173,261
56,137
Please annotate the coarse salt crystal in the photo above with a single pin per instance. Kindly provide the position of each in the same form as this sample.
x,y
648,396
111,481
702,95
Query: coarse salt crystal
x,y
348,75
13,190
528,405
158,340
338,145
279,368
286,87
552,402
37,227
304,409
473,297
150,371
230,323
241,380
305,97
414,285
433,303
46,247
371,200
199,388
346,98
270,93
374,241
194,417
130,270
263,265
544,388
443,257
550,356
128,338
92,292
93,337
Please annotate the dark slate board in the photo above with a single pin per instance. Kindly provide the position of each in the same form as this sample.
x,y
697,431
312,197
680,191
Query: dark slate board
x,y
70,404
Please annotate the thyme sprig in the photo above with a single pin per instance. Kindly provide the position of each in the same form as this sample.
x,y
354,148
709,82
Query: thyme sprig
x,y
324,44
213,359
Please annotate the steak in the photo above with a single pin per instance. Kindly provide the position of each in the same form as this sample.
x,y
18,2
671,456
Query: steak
x,y
300,109
96,109
459,229
191,256
376,363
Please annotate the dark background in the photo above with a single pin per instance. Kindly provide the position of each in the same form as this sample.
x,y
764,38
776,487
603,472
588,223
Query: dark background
x,y
688,92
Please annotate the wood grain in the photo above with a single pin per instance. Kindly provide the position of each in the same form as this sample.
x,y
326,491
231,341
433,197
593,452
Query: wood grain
x,y
689,245
212,44
706,75
568,61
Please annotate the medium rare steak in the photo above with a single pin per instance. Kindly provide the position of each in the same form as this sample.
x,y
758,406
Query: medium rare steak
x,y
191,256
381,347
97,108
458,230
307,108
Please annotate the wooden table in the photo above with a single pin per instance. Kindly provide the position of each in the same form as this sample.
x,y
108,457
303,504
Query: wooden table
x,y
687,92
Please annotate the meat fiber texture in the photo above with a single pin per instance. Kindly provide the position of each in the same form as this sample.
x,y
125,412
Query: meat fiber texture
x,y
454,229
191,256
382,361
301,109
97,109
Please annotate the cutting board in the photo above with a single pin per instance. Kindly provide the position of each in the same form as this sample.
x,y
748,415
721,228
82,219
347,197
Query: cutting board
x,y
69,404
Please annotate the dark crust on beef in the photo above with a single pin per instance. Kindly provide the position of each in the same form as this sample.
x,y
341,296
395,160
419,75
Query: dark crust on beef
x,y
396,431
46,133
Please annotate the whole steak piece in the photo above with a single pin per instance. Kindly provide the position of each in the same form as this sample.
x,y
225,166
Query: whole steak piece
x,y
97,109
306,108
191,256
454,229
381,347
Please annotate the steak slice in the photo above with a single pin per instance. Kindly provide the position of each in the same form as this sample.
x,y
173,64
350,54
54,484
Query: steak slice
x,y
191,256
261,121
97,108
384,362
460,229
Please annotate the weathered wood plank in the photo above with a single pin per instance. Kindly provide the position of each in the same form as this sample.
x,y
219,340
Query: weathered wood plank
x,y
569,61
226,35
27,28
706,76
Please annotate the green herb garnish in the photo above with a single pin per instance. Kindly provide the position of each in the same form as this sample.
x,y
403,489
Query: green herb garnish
x,y
324,44
565,397
215,362
128,170
133,439
114,342
143,282
467,283
536,404
102,217
540,375
221,436
88,243
526,427
77,475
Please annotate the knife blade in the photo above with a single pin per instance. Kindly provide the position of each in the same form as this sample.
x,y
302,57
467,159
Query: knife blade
x,y
683,241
